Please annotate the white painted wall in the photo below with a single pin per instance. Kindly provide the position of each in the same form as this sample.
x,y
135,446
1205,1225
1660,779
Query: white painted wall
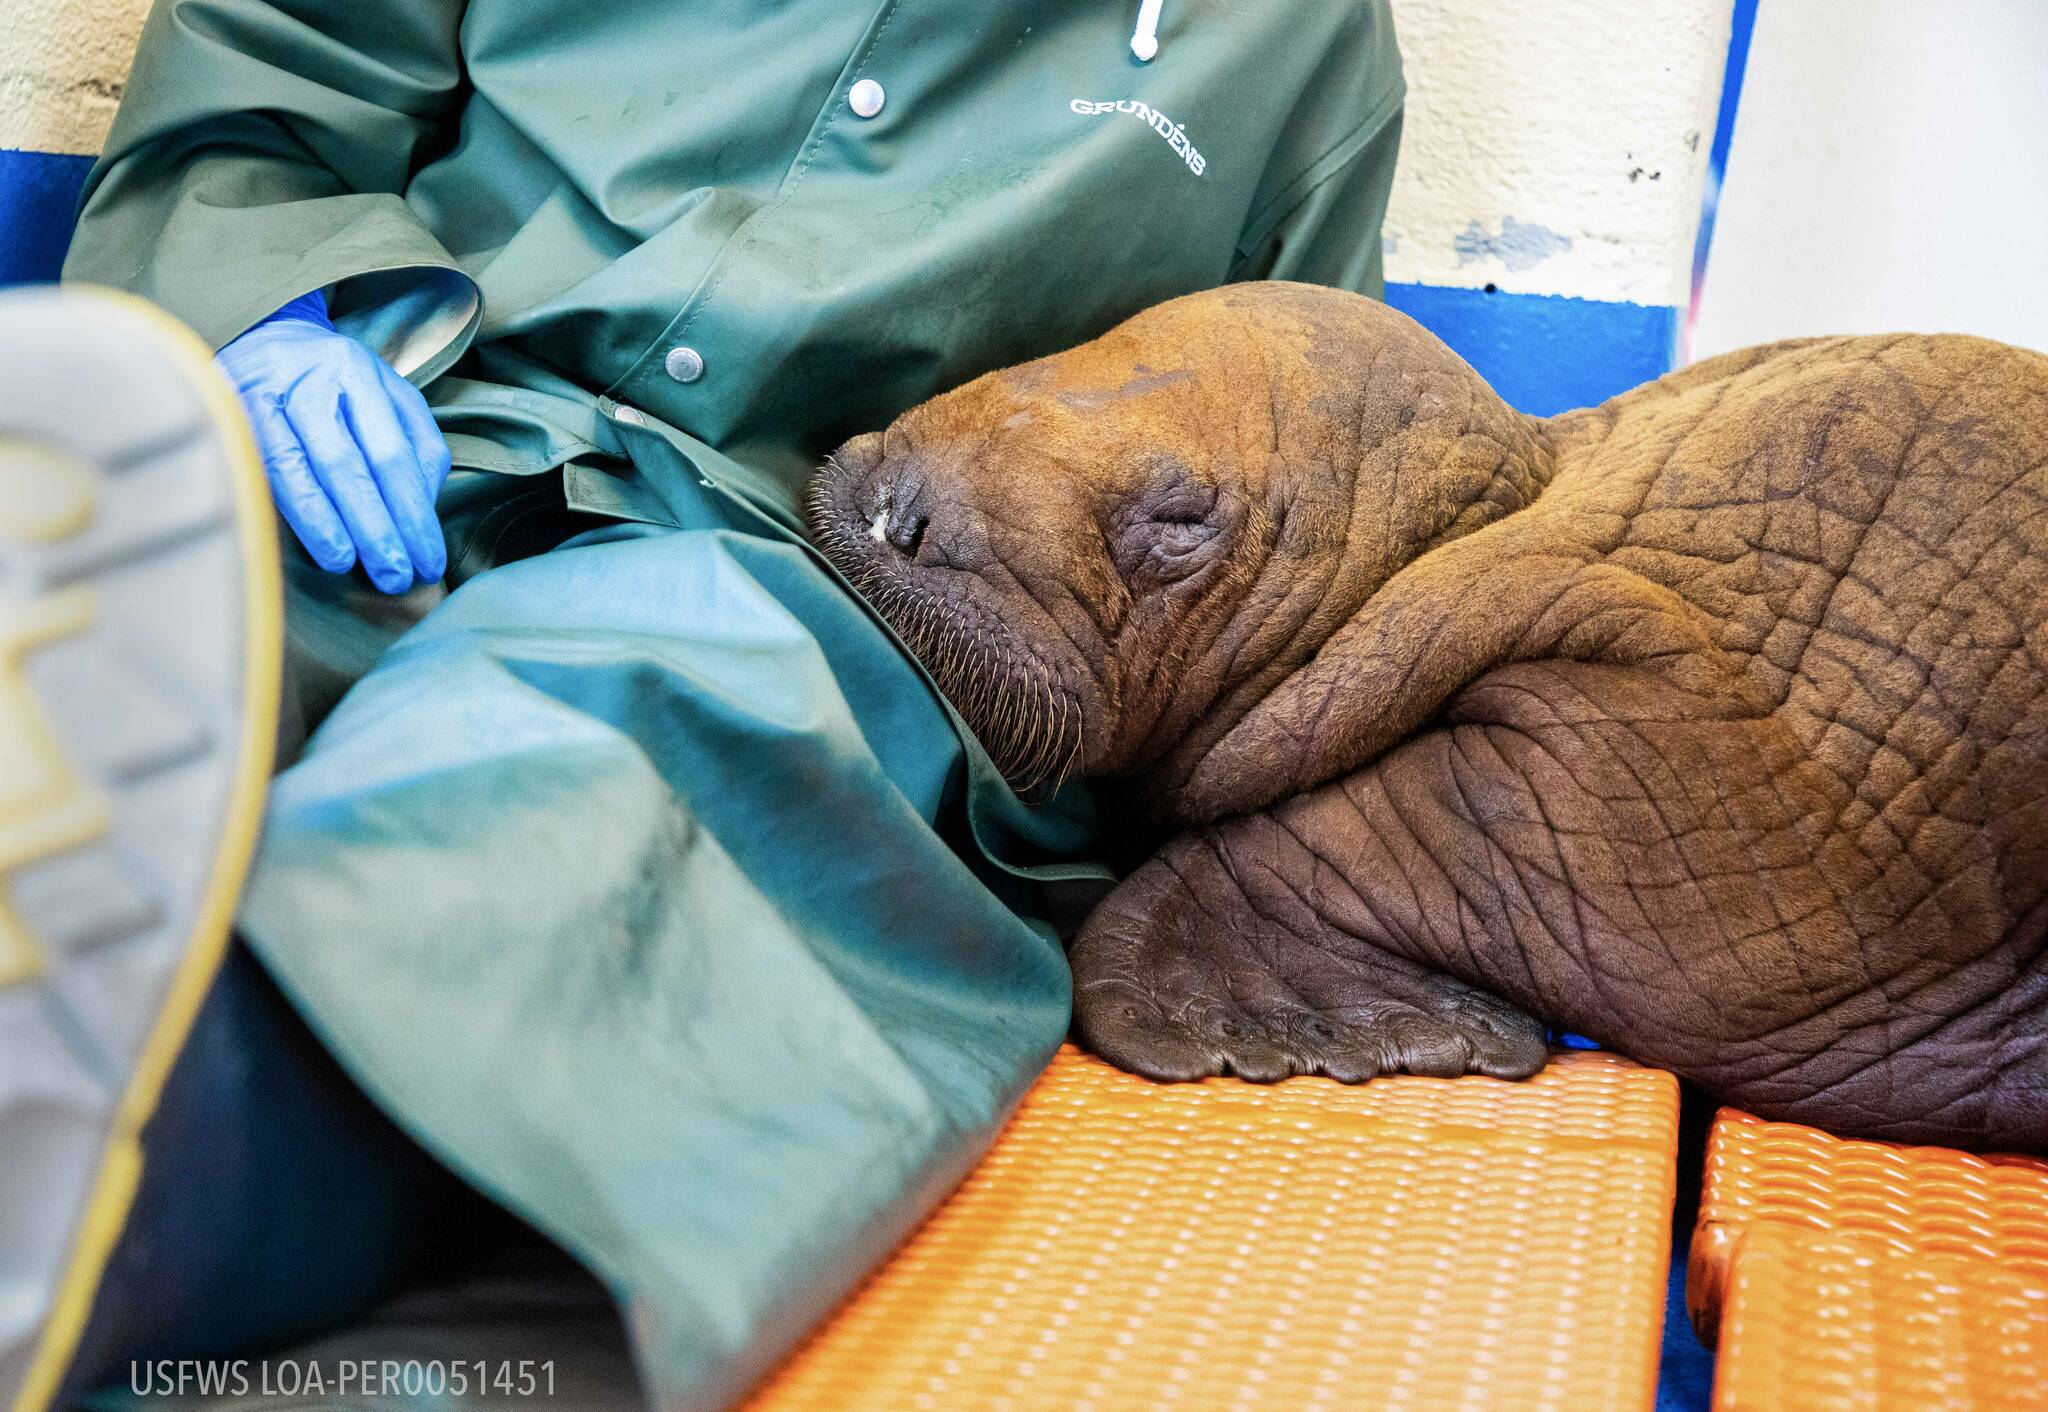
x,y
1889,172
1556,148
62,64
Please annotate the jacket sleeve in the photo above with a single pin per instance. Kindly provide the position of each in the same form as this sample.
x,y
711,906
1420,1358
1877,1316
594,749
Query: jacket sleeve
x,y
1318,213
1331,234
261,152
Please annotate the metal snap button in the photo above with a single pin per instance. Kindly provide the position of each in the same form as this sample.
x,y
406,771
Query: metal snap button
x,y
866,98
684,364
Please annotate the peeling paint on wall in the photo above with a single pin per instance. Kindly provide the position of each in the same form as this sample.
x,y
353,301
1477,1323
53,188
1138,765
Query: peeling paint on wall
x,y
1518,246
1544,212
1580,118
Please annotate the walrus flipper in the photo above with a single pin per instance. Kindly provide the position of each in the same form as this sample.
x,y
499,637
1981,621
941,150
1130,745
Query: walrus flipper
x,y
1209,961
1630,858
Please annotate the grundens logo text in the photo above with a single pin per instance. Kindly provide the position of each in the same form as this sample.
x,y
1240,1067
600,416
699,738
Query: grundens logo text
x,y
1176,136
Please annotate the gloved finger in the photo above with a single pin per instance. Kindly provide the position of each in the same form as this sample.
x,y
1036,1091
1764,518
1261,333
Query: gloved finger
x,y
314,406
428,443
299,497
400,477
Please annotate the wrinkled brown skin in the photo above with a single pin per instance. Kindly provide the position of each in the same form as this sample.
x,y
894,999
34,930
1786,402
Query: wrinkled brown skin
x,y
1711,723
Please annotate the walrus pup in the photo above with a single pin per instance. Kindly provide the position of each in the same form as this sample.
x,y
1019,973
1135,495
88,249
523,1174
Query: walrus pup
x,y
1711,722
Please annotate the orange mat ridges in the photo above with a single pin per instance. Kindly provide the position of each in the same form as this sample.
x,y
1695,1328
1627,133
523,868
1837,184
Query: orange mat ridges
x,y
1829,1323
1867,1276
1408,1243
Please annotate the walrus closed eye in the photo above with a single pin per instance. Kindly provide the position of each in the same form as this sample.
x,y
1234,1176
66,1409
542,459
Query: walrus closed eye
x,y
1711,722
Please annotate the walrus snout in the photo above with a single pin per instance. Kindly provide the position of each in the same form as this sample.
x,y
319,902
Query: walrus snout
x,y
831,502
899,518
862,504
902,530
926,532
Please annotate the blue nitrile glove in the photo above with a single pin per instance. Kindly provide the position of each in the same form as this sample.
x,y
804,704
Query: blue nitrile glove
x,y
354,457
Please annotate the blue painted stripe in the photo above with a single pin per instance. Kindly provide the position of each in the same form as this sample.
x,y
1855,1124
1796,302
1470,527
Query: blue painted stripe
x,y
38,203
1742,28
1547,353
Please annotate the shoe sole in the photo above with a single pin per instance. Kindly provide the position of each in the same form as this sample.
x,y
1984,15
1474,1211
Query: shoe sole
x,y
140,654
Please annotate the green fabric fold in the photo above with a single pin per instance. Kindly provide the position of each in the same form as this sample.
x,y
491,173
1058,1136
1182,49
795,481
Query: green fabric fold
x,y
727,1077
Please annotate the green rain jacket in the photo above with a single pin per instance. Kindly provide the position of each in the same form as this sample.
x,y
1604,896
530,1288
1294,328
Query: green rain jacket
x,y
645,880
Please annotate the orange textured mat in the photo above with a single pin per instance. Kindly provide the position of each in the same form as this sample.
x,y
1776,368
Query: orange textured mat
x,y
1846,1275
1826,1323
1409,1243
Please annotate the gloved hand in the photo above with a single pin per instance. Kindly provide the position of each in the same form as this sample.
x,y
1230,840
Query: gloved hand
x,y
354,457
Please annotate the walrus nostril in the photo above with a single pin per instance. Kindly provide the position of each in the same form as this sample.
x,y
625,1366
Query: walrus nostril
x,y
906,530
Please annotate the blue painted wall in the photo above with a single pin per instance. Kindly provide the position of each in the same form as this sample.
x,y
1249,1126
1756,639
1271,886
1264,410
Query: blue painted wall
x,y
1547,353
38,196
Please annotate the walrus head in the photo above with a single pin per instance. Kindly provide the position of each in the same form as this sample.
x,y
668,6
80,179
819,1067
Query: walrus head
x,y
1106,556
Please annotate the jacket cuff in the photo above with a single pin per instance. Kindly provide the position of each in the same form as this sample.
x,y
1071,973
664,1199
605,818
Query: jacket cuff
x,y
418,318
389,282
